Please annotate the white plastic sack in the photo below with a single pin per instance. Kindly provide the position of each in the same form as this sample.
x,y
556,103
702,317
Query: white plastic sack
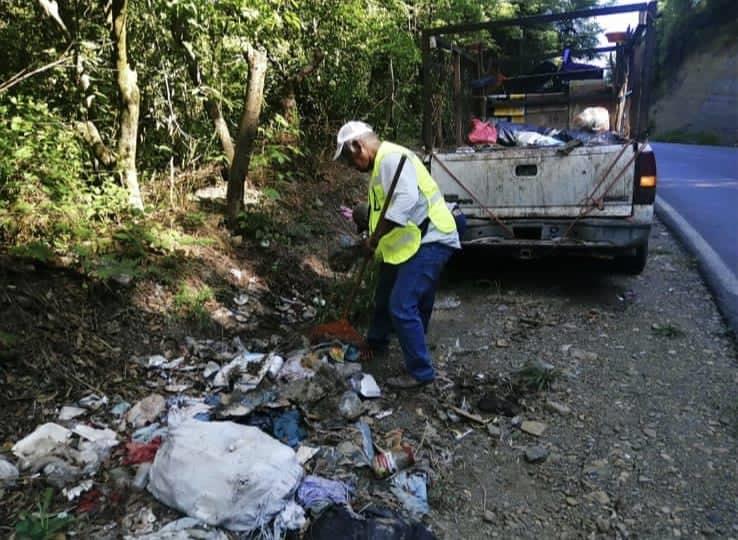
x,y
531,138
224,474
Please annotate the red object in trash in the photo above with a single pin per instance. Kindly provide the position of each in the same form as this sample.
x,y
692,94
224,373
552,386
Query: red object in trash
x,y
89,501
482,132
141,452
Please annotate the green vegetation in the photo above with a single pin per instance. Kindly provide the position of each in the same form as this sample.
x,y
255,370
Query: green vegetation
x,y
42,525
98,157
190,300
688,25
687,137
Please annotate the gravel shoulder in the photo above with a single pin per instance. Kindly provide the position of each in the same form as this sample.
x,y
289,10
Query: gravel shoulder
x,y
641,435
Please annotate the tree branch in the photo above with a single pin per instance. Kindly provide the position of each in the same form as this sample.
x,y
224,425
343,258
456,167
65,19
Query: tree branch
x,y
24,74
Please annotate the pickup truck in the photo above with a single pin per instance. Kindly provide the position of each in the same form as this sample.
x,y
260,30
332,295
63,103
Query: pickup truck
x,y
531,201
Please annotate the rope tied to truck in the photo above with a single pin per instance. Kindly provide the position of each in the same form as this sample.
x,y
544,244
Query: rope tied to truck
x,y
490,213
590,201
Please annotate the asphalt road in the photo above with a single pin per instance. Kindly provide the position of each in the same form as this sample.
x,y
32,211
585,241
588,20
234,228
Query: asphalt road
x,y
701,183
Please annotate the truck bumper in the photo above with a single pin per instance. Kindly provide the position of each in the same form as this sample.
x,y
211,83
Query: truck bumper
x,y
540,237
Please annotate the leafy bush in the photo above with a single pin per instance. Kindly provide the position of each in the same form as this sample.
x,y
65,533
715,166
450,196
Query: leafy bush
x,y
47,206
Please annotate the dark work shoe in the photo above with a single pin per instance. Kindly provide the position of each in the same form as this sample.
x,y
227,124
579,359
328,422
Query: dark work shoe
x,y
404,382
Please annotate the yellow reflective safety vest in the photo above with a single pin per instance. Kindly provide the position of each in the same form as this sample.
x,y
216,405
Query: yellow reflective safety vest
x,y
401,243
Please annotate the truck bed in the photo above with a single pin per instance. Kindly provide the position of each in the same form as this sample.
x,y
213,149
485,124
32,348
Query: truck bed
x,y
537,182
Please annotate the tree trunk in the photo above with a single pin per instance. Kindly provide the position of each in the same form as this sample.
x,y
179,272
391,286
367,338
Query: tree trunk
x,y
246,134
289,95
181,34
130,99
91,136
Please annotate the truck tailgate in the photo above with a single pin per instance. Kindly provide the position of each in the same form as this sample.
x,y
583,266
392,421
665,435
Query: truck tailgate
x,y
537,182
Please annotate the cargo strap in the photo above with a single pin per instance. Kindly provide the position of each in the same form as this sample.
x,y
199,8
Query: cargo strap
x,y
489,212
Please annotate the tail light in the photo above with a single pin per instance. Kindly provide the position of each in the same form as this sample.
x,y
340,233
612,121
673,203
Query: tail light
x,y
644,190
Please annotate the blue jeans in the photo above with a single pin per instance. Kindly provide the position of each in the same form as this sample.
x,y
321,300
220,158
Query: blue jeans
x,y
403,302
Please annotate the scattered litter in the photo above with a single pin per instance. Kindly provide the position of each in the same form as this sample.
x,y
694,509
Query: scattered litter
x,y
42,442
120,408
58,472
245,371
89,501
352,354
383,414
350,405
306,453
292,518
104,439
411,490
458,435
294,369
183,529
146,411
177,388
387,463
276,363
139,522
145,434
93,402
317,493
288,429
211,368
141,452
224,474
69,412
8,473
156,361
76,491
367,442
238,404
366,386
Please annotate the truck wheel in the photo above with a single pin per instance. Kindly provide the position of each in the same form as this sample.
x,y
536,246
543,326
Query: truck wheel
x,y
633,264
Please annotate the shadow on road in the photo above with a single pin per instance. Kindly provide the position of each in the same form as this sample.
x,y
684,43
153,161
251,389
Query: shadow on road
x,y
582,280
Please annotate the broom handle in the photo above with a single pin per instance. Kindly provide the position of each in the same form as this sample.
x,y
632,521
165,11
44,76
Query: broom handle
x,y
368,257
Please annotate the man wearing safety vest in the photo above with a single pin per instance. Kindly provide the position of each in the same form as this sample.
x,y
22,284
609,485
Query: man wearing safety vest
x,y
415,239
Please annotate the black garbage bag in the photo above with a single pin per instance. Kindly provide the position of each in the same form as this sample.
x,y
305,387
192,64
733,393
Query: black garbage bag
x,y
590,138
339,523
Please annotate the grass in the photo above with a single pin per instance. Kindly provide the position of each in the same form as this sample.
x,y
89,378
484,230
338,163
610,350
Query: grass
x,y
535,376
190,301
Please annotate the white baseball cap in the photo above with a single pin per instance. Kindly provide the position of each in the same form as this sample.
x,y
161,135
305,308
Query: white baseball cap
x,y
350,131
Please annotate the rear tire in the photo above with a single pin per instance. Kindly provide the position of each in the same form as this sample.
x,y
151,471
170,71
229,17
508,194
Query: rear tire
x,y
633,264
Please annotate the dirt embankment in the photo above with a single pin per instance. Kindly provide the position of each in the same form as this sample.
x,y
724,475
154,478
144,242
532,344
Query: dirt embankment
x,y
699,102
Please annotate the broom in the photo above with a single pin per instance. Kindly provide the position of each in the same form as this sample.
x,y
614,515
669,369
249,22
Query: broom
x,y
342,330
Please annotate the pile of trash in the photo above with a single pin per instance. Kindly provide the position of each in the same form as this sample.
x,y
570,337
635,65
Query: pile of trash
x,y
254,442
592,128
